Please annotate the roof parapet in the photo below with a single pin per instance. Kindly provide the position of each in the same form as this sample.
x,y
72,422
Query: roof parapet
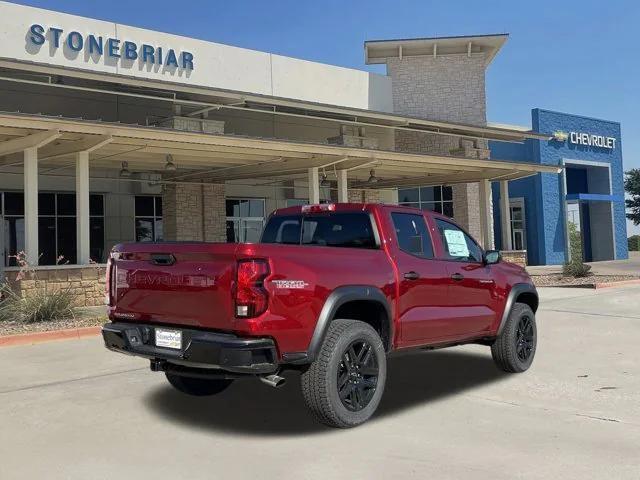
x,y
378,51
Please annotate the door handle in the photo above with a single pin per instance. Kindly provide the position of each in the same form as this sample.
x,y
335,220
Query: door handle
x,y
411,276
457,277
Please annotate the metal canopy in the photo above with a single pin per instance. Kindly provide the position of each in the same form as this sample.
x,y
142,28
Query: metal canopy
x,y
199,100
378,51
219,157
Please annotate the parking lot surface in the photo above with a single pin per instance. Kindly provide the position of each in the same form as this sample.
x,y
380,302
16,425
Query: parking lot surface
x,y
73,410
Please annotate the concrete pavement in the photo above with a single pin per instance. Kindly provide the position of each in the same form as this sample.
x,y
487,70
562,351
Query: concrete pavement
x,y
72,410
631,266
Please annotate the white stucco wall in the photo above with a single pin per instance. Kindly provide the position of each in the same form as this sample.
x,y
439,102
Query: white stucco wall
x,y
215,65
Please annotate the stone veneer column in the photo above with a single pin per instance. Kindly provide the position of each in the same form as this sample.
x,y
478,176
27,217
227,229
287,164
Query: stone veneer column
x,y
466,207
215,213
364,196
194,212
448,88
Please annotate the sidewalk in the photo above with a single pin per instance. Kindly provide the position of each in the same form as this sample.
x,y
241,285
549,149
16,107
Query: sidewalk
x,y
613,267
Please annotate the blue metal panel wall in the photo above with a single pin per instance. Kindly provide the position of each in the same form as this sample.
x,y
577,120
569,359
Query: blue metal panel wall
x,y
553,152
544,205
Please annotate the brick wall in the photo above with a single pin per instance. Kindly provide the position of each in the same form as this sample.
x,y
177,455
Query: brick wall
x,y
447,88
194,212
466,207
215,215
86,283
519,257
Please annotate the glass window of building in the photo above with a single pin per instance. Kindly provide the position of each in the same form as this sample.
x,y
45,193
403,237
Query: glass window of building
x,y
438,199
148,218
518,228
56,227
12,209
245,219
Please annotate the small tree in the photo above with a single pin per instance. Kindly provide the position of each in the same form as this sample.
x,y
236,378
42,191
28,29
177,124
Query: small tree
x,y
575,267
632,187
634,243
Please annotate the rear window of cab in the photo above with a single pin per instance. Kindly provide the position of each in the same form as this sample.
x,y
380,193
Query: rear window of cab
x,y
346,230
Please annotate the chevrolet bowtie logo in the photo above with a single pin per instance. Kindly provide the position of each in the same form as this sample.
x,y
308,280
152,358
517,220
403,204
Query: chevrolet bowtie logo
x,y
560,136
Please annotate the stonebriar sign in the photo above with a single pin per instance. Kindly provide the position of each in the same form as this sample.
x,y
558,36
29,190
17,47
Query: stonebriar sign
x,y
97,45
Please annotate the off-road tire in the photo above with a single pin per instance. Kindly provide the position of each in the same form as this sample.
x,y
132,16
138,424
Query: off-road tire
x,y
320,381
508,347
199,387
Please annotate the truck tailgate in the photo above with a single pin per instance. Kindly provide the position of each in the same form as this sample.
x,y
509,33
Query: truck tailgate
x,y
174,283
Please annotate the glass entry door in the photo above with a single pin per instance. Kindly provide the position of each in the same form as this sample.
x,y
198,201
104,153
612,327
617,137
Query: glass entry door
x,y
244,230
518,228
245,219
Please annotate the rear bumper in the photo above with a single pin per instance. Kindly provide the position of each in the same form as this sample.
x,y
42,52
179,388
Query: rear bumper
x,y
200,349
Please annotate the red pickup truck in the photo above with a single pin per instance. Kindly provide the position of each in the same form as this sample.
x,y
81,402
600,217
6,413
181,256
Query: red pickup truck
x,y
330,291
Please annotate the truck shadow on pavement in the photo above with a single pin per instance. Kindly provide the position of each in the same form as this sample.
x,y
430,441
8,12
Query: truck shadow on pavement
x,y
249,407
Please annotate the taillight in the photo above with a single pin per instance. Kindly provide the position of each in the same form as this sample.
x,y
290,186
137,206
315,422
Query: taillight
x,y
107,283
110,281
251,297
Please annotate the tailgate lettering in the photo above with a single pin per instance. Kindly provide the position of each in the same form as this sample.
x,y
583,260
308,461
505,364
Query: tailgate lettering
x,y
150,279
290,284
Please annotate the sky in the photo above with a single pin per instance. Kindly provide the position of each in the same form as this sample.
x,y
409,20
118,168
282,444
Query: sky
x,y
578,57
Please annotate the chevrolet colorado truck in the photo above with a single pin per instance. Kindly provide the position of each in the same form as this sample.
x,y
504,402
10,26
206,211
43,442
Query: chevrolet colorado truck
x,y
330,290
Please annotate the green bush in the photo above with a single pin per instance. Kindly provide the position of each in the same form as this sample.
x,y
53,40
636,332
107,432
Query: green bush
x,y
575,267
634,243
38,306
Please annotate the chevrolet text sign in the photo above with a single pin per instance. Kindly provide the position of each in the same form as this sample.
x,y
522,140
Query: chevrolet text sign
x,y
591,140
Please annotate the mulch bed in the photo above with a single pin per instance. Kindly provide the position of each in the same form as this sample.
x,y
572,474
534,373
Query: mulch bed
x,y
556,280
15,328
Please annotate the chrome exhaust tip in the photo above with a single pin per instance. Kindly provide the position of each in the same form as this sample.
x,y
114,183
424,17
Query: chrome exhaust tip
x,y
273,380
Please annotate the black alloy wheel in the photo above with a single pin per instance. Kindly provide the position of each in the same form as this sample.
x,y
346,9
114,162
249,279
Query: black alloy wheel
x,y
344,384
357,375
515,346
524,338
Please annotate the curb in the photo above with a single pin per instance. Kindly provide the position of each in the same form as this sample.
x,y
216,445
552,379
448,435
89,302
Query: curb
x,y
621,283
41,337
596,286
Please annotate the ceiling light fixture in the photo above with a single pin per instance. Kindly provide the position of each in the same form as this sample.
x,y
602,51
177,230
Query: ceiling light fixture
x,y
124,171
170,166
325,181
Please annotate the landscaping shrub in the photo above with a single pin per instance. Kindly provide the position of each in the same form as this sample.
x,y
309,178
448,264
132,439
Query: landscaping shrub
x,y
634,243
575,267
39,305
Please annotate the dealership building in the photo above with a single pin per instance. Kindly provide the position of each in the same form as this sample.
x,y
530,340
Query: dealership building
x,y
111,133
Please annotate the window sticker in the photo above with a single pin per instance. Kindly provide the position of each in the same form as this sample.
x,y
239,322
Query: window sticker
x,y
456,243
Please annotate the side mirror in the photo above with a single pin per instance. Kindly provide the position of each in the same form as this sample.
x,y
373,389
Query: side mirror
x,y
492,257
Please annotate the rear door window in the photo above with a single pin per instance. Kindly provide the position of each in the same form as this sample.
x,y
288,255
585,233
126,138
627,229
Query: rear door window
x,y
412,234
